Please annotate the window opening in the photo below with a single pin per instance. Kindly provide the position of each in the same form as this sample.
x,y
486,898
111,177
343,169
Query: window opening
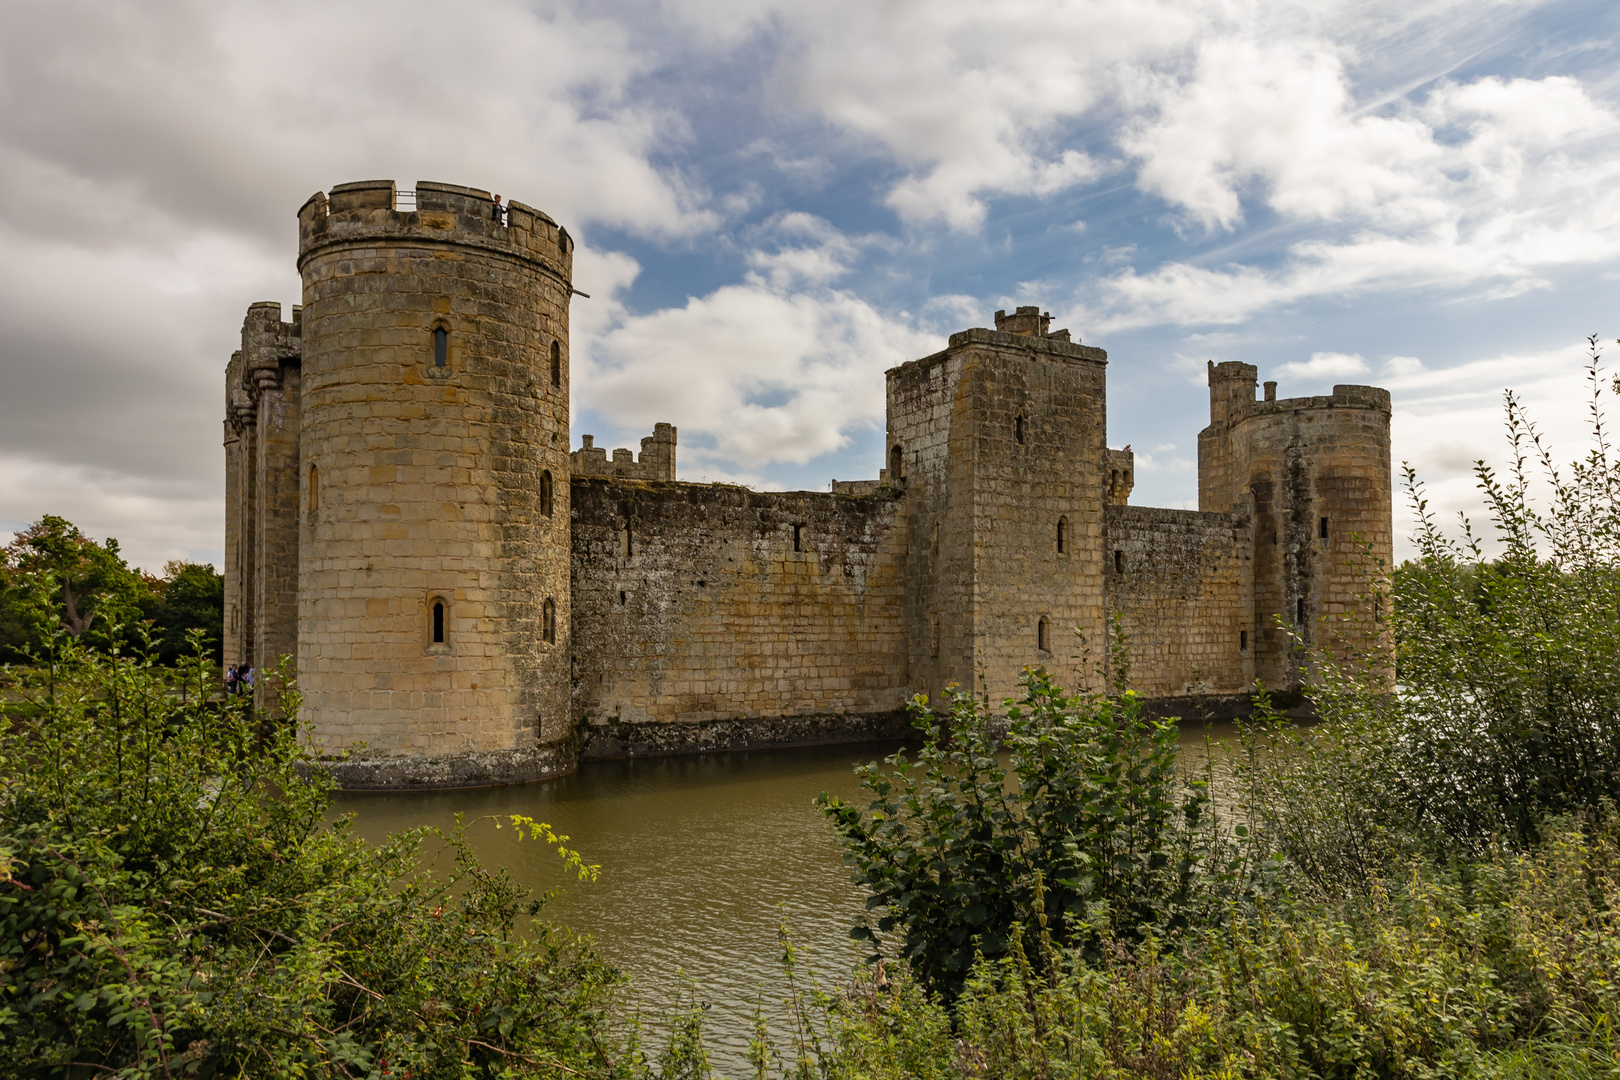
x,y
896,459
314,492
545,492
556,364
1323,529
798,538
548,628
1063,535
621,597
1119,562
1243,641
438,623
441,346
1018,430
624,540
1043,635
1299,611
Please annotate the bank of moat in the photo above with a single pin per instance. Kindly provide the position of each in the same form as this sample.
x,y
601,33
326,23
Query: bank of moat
x,y
475,603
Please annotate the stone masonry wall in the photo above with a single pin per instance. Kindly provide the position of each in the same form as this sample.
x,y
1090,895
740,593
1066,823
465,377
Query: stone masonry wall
x,y
709,616
1179,580
432,478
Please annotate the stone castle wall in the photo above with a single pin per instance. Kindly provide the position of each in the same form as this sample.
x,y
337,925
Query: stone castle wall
x,y
469,602
710,616
1179,582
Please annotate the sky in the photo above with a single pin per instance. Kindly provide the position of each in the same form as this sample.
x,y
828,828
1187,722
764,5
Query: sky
x,y
774,202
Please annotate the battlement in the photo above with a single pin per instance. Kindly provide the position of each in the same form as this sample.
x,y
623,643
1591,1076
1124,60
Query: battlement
x,y
268,343
1232,389
657,460
366,211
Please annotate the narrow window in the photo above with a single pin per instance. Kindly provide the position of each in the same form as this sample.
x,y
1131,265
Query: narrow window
x,y
1063,535
1299,611
798,538
1043,635
556,364
438,623
1018,430
441,346
1323,528
548,626
624,540
314,492
896,458
1119,562
621,597
545,493
1243,640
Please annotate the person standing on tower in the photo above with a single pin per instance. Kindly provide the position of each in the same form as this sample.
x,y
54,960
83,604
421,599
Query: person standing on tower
x,y
500,212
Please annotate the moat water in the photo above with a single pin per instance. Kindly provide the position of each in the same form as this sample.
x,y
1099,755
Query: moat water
x,y
702,858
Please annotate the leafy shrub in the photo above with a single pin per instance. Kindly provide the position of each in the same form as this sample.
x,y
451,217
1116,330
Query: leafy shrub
x,y
1509,967
171,903
1090,823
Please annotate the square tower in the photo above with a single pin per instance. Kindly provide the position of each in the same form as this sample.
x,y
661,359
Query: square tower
x,y
999,443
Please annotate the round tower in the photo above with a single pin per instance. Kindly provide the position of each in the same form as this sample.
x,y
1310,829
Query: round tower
x,y
1318,472
434,555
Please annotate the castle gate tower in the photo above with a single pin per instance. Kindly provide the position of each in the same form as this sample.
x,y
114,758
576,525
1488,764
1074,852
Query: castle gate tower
x,y
1317,471
434,554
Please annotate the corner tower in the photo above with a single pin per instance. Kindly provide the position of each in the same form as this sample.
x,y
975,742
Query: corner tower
x,y
433,590
1317,473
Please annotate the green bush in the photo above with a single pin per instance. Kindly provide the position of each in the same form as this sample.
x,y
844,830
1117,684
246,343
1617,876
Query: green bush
x,y
1508,967
171,903
1090,822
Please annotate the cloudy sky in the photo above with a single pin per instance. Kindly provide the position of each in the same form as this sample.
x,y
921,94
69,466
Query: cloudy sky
x,y
775,201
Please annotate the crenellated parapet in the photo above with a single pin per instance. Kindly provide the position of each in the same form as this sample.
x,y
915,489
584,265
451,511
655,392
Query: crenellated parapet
x,y
657,461
268,345
366,210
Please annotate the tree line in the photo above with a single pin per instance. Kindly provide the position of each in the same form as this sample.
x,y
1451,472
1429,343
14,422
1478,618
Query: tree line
x,y
53,575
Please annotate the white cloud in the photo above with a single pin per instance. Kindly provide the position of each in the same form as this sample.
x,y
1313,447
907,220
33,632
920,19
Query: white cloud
x,y
1402,367
1464,189
777,368
1325,365
971,99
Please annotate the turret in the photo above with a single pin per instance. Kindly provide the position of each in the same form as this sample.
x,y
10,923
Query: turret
x,y
434,567
1316,471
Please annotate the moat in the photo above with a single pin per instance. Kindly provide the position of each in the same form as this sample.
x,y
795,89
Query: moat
x,y
701,858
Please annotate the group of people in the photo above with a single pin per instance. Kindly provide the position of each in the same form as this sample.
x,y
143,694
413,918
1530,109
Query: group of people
x,y
239,680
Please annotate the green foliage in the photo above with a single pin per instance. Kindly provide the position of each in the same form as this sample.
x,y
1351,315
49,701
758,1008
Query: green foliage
x,y
189,596
1090,822
1509,967
171,903
52,575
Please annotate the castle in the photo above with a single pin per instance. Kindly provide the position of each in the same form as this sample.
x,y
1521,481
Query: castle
x,y
471,602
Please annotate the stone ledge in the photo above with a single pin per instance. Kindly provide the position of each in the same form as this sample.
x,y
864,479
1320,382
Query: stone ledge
x,y
607,741
444,772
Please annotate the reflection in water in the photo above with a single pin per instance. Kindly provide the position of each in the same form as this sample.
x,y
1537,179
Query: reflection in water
x,y
701,859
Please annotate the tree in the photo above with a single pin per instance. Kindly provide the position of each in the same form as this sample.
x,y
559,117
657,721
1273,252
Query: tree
x,y
190,596
81,578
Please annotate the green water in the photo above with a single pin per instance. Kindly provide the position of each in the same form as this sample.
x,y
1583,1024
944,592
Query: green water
x,y
702,857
